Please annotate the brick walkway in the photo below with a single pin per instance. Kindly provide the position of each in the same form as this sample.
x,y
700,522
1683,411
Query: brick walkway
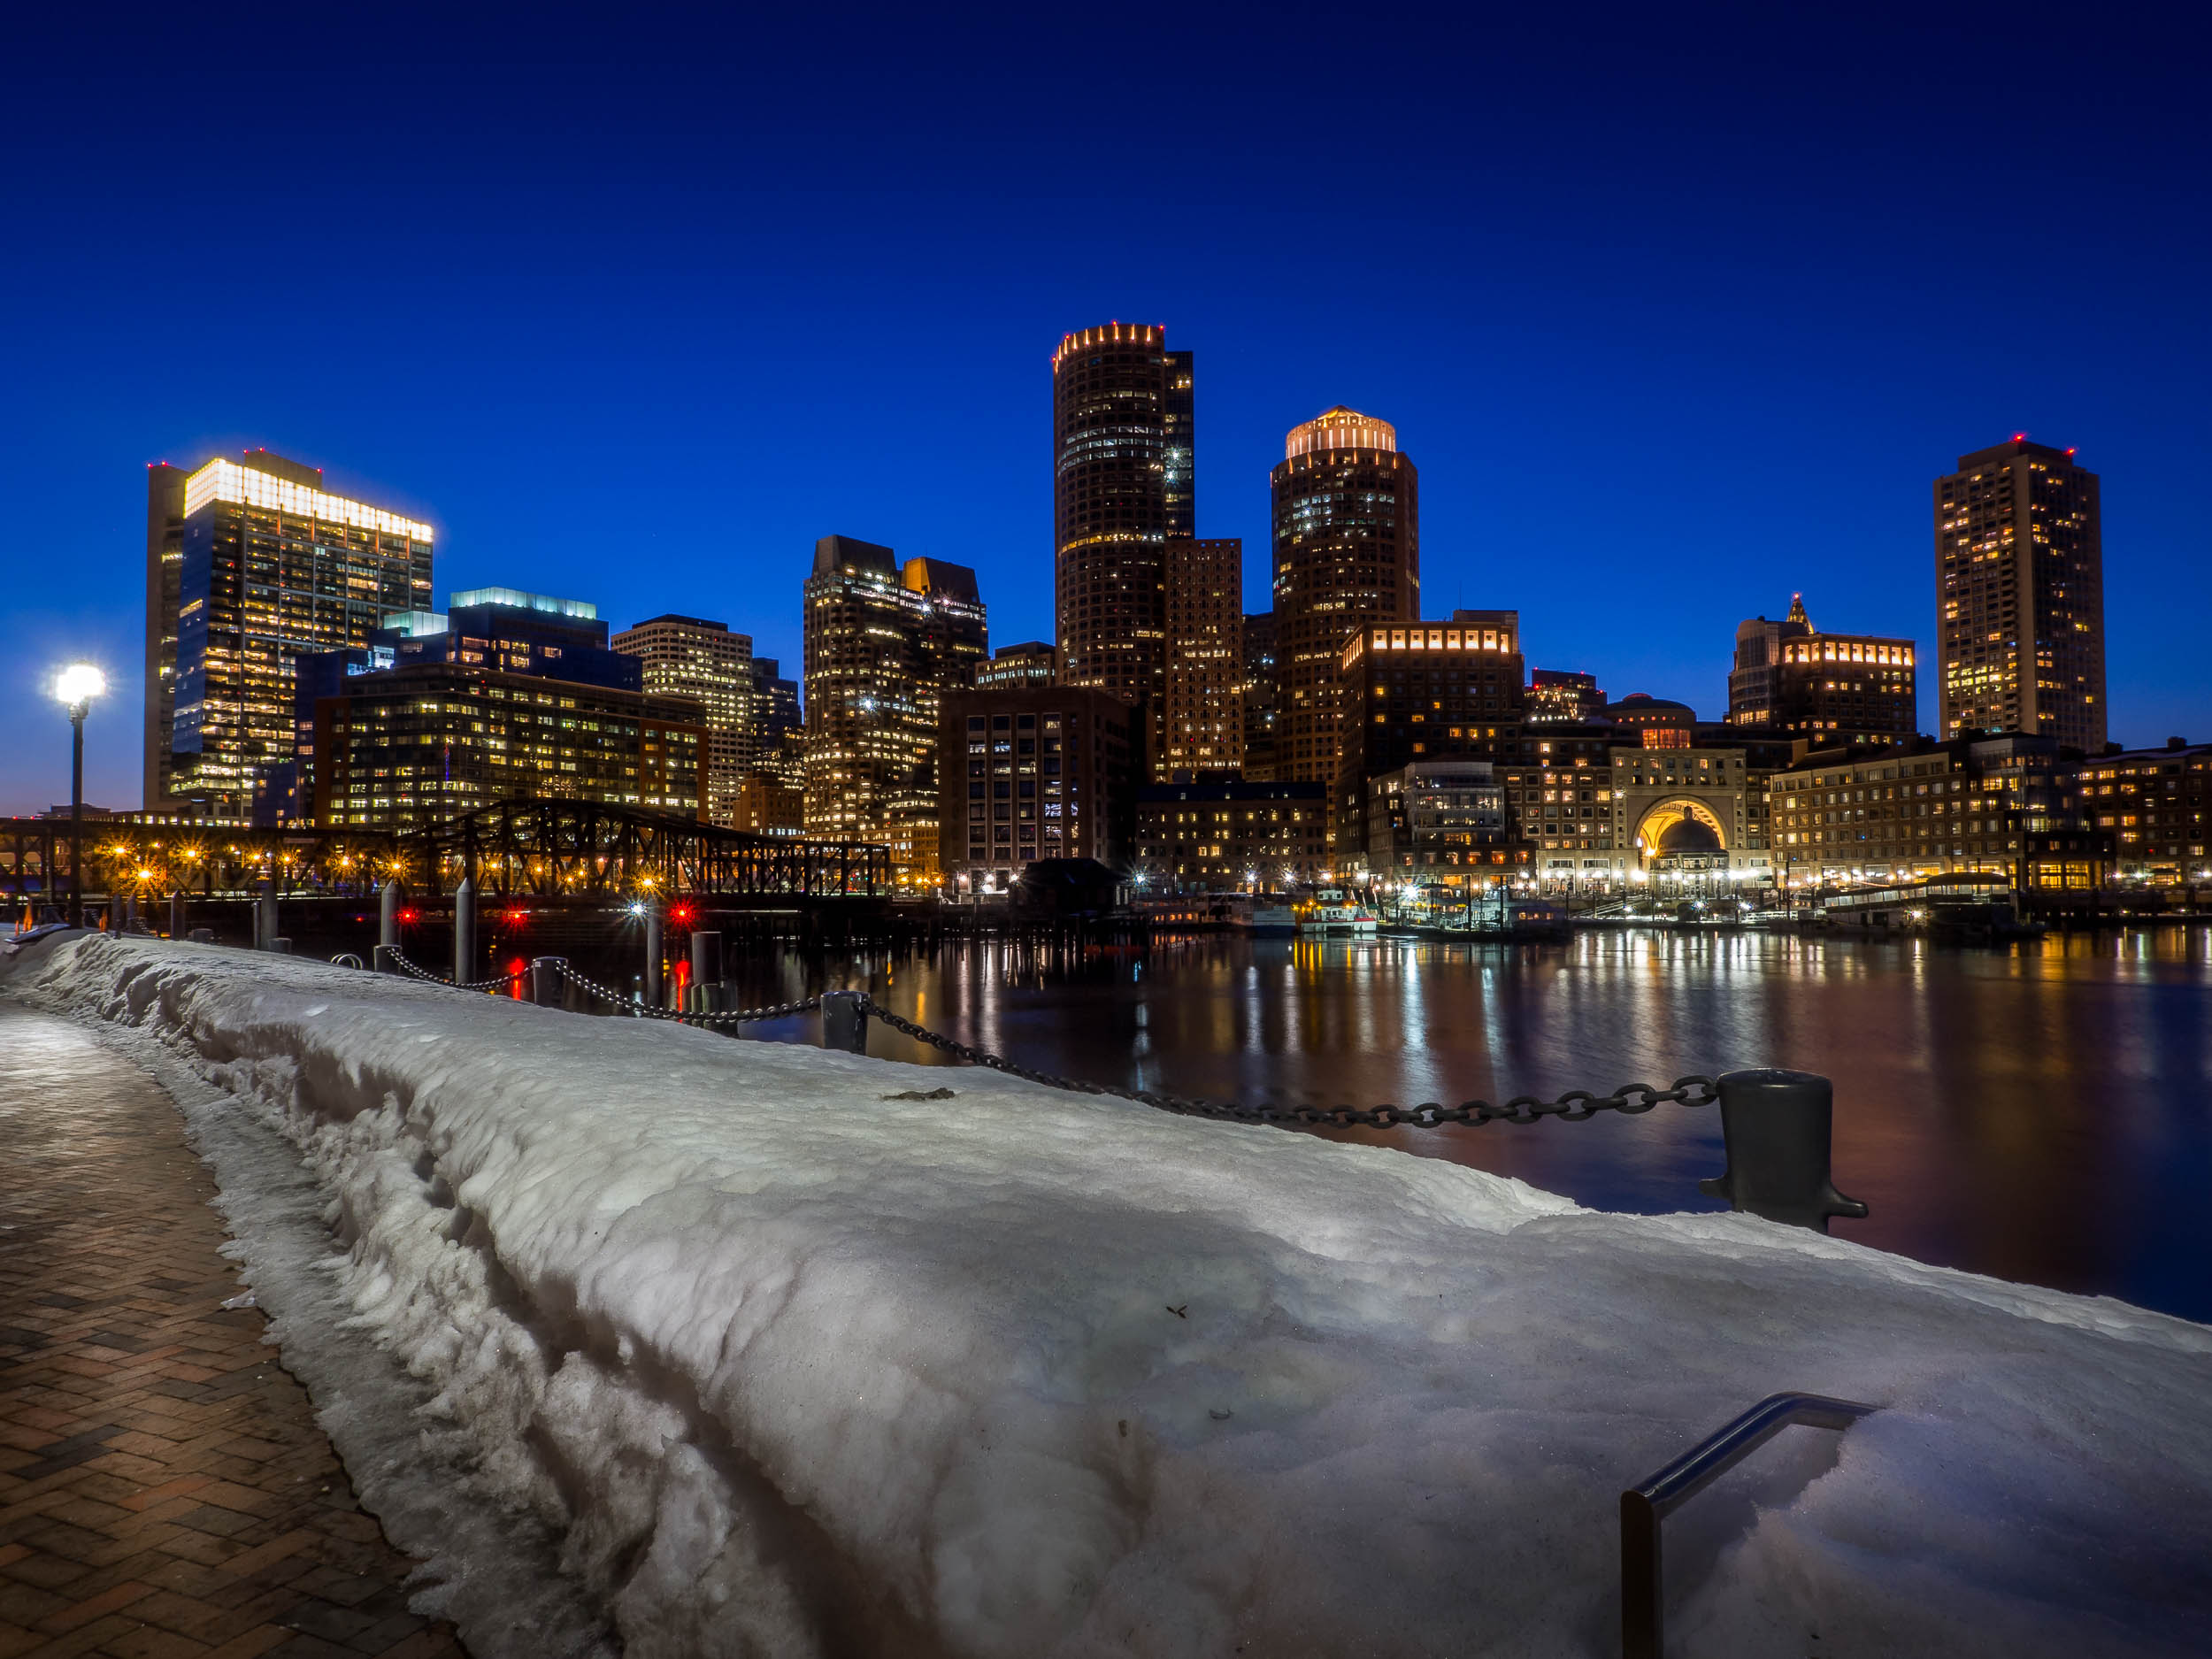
x,y
164,1489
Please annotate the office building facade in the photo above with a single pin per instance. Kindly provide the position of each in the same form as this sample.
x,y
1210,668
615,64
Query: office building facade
x,y
1346,553
1217,835
1202,728
2019,566
1123,465
1790,679
414,747
1031,663
1260,696
1032,772
885,642
1424,691
1437,821
1559,696
270,566
2156,806
165,576
707,663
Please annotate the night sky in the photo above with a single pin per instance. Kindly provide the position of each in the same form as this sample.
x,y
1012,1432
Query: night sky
x,y
1677,311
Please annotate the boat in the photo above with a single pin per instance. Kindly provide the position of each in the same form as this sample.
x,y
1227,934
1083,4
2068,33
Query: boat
x,y
1264,918
1332,912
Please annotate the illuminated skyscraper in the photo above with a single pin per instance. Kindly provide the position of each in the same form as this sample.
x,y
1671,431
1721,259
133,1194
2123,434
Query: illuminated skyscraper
x,y
164,571
1348,551
685,656
270,566
2019,564
1794,681
1202,724
1124,460
884,642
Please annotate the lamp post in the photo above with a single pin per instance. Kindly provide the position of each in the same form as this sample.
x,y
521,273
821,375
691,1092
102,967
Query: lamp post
x,y
75,686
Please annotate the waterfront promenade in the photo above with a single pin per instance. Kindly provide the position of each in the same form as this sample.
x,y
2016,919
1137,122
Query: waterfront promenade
x,y
165,1492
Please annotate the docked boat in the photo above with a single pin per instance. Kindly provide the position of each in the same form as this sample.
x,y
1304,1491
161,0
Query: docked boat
x,y
1264,918
1332,912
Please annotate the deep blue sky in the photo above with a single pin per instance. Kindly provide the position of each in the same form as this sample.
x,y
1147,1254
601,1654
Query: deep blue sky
x,y
1678,310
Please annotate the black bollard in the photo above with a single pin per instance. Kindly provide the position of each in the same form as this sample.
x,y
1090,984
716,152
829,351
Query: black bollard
x,y
706,957
844,1022
546,980
176,914
464,930
653,952
388,914
1777,1127
265,916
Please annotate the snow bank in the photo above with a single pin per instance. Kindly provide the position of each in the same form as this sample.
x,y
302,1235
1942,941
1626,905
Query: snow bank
x,y
795,1368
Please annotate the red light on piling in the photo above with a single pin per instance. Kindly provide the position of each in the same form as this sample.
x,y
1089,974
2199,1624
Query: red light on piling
x,y
410,915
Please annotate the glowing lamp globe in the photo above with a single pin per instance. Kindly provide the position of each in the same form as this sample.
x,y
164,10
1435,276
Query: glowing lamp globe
x,y
80,682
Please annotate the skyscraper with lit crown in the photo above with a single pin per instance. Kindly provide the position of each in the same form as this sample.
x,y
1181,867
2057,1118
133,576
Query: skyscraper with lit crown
x,y
268,565
1348,551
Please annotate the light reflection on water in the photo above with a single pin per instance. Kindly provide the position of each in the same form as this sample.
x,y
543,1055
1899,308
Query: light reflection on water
x,y
2042,1113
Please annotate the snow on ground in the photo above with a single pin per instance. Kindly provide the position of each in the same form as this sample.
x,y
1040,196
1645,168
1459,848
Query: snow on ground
x,y
792,1368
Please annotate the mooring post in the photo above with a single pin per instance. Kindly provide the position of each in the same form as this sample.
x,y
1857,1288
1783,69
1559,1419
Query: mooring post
x,y
545,980
176,914
706,968
652,953
844,1022
1775,1127
266,916
464,930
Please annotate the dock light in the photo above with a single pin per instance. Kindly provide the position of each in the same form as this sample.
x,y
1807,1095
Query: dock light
x,y
637,910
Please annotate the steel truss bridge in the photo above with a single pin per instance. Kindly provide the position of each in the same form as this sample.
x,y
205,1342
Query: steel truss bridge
x,y
554,849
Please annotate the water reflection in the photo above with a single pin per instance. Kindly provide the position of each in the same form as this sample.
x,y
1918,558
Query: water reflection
x,y
2040,1113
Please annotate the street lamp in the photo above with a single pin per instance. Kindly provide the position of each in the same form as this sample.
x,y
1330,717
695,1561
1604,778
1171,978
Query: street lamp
x,y
75,686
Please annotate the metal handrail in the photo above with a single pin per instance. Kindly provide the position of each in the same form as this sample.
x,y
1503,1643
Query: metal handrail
x,y
1648,1502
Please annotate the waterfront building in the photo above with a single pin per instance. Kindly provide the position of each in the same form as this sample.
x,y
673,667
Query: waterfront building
x,y
1222,834
1589,810
766,805
2153,803
1031,663
1201,724
1424,691
268,566
1032,772
1440,821
2019,568
885,642
1259,695
1562,697
1123,443
1789,678
691,657
1346,553
412,747
2011,804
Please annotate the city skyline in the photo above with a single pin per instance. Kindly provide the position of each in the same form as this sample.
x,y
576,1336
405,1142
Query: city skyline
x,y
1596,412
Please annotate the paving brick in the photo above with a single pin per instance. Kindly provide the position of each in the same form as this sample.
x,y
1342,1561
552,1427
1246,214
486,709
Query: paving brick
x,y
165,1492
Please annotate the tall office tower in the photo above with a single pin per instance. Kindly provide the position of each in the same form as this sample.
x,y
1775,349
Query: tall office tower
x,y
1346,552
883,643
685,656
1261,696
272,568
1123,442
2019,561
164,571
781,745
1792,681
1202,719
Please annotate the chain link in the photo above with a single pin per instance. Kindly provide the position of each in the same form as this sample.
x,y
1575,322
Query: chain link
x,y
737,1016
1575,1106
429,977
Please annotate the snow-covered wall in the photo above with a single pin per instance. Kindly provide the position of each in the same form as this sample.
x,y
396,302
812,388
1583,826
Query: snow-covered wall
x,y
794,1366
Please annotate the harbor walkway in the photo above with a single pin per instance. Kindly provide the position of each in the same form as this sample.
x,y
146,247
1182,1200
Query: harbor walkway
x,y
165,1492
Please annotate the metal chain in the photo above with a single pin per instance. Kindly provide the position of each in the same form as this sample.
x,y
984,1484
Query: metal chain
x,y
429,977
1575,1106
737,1017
